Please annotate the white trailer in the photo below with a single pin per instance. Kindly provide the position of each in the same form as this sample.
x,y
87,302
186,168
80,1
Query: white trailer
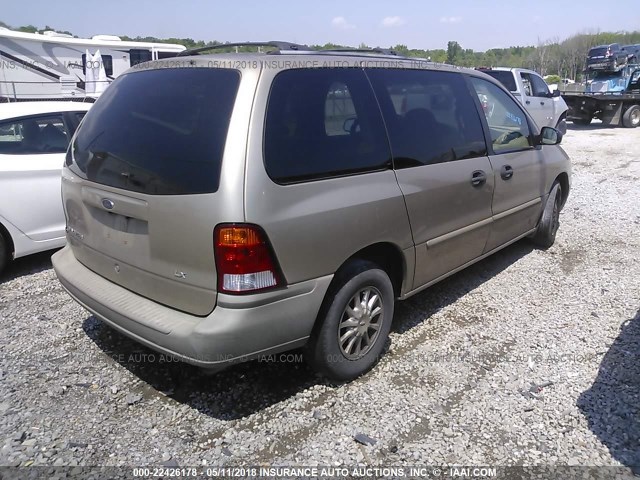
x,y
54,65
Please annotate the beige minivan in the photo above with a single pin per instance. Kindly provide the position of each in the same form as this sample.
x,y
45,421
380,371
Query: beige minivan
x,y
224,207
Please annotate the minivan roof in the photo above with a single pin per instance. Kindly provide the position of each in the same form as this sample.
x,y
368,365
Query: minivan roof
x,y
302,59
291,60
279,47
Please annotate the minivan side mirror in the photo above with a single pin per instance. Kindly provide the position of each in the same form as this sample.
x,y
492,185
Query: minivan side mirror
x,y
556,93
549,136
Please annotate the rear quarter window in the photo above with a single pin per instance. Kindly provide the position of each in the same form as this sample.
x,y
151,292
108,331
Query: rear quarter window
x,y
323,123
158,132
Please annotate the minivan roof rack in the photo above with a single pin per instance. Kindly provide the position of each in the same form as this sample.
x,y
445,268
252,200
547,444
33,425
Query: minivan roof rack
x,y
383,51
279,46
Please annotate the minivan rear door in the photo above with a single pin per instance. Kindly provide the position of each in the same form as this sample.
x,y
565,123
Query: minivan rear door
x,y
319,179
142,185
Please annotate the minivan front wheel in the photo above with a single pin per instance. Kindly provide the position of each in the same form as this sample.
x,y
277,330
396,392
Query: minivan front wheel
x,y
354,322
545,235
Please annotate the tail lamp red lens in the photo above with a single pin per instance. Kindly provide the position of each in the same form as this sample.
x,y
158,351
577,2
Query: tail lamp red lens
x,y
244,259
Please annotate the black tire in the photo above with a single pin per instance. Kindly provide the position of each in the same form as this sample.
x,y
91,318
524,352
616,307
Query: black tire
x,y
336,359
582,120
631,117
545,235
4,253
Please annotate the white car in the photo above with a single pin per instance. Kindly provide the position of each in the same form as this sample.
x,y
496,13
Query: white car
x,y
33,141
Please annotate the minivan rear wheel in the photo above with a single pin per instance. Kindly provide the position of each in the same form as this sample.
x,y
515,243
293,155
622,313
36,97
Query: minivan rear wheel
x,y
545,235
354,322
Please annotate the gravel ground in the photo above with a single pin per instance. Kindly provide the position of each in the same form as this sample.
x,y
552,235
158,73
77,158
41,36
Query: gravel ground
x,y
529,357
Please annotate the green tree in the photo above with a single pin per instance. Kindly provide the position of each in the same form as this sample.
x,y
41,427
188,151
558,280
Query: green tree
x,y
28,29
453,51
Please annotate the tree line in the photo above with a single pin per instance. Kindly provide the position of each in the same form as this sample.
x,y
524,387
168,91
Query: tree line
x,y
564,58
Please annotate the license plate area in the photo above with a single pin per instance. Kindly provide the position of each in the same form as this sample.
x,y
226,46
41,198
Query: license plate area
x,y
118,233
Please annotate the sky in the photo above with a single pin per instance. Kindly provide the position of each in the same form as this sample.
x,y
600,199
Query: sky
x,y
426,24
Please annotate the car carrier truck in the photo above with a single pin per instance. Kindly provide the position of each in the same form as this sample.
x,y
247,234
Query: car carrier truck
x,y
610,96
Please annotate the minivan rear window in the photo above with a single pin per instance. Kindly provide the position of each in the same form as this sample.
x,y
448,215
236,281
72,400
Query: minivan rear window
x,y
159,132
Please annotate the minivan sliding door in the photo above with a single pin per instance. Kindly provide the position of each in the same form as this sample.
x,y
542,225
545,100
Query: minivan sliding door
x,y
440,159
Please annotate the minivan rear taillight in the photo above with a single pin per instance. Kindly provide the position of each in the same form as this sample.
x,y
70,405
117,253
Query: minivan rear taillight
x,y
244,259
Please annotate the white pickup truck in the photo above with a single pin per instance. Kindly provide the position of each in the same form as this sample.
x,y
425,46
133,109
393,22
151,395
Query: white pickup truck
x,y
547,108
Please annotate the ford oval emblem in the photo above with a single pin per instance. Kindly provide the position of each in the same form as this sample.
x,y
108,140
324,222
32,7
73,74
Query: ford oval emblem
x,y
108,204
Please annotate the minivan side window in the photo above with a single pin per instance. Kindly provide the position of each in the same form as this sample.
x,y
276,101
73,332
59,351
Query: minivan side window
x,y
322,123
430,116
508,126
34,135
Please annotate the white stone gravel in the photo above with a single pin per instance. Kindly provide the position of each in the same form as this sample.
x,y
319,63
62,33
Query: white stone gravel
x,y
529,357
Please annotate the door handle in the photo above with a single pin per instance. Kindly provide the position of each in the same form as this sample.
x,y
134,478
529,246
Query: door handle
x,y
541,103
528,102
506,172
478,178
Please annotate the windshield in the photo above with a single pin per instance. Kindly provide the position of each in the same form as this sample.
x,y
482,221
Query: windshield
x,y
158,132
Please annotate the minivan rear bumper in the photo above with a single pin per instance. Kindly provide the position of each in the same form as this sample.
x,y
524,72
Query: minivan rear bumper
x,y
240,328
